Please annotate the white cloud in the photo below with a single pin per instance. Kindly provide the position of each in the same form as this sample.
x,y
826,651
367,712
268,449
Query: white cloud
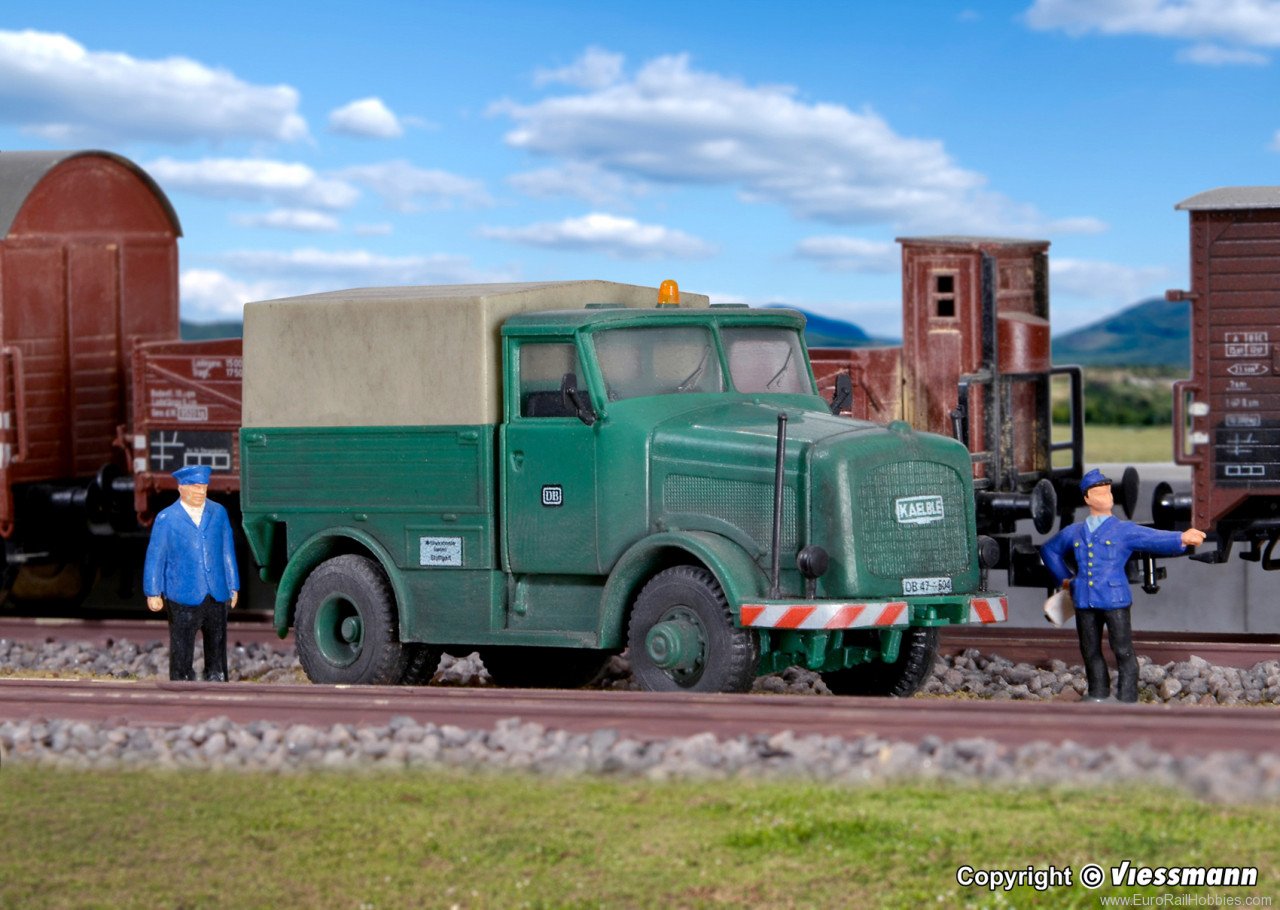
x,y
1106,281
290,220
675,124
851,254
381,229
405,187
1275,142
578,180
1247,23
208,295
1215,55
255,179
595,69
367,117
313,269
623,238
52,86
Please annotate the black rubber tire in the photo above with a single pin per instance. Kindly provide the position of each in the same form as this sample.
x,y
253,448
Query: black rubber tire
x,y
900,679
340,589
543,668
730,654
420,664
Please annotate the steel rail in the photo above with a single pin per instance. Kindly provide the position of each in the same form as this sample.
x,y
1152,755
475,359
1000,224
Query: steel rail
x,y
1179,729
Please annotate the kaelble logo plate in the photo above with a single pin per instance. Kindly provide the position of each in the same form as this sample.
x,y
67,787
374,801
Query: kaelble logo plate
x,y
918,510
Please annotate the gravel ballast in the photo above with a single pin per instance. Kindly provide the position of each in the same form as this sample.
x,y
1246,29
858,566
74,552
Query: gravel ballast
x,y
513,745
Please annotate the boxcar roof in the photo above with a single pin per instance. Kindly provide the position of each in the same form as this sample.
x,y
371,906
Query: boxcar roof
x,y
1233,197
972,242
21,171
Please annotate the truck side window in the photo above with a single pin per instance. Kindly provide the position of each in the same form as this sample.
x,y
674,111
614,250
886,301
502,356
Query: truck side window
x,y
542,368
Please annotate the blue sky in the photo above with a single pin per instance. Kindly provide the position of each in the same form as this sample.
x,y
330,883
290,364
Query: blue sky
x,y
755,151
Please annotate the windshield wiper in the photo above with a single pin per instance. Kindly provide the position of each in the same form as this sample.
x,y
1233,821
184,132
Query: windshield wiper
x,y
778,375
697,372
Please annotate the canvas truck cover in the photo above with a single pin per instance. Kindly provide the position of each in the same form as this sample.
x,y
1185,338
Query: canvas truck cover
x,y
400,356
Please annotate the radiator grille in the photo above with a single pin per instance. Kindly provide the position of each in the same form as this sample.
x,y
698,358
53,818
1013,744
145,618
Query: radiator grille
x,y
893,549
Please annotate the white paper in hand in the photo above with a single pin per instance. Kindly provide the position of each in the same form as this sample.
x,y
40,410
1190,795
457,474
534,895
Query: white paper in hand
x,y
1059,608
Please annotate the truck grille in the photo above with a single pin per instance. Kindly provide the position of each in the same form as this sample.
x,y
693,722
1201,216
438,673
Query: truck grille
x,y
913,521
741,503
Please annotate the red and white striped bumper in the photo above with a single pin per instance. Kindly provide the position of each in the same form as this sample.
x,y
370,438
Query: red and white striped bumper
x,y
856,615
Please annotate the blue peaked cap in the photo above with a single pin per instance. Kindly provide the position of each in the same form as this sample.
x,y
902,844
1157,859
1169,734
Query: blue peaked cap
x,y
194,473
1094,478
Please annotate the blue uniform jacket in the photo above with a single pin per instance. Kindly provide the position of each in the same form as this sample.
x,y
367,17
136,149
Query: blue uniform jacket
x,y
1100,583
185,563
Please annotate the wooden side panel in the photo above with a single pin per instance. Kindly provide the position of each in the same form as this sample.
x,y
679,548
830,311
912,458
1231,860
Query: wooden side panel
x,y
1236,358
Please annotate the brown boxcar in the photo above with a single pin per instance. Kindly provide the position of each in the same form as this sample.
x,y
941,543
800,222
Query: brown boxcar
x,y
88,268
1227,416
186,411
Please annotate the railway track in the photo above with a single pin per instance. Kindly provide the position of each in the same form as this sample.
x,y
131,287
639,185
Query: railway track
x,y
103,632
1034,646
1180,730
1039,646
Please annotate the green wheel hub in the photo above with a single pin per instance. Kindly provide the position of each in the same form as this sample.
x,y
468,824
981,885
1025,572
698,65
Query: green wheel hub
x,y
677,643
339,631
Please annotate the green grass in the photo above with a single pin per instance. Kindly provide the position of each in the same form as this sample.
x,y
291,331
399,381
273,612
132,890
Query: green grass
x,y
433,839
1124,445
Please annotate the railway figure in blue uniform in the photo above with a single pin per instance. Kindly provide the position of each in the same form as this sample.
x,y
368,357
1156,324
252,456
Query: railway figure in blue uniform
x,y
191,569
1101,545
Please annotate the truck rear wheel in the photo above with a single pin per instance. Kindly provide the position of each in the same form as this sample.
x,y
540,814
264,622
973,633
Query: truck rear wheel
x,y
346,626
903,677
682,636
543,668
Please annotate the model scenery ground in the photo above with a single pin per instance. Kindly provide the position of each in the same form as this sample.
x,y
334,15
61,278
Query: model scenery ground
x,y
453,839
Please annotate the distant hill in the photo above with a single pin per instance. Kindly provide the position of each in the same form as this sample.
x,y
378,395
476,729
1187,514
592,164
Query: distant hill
x,y
1151,333
825,332
204,331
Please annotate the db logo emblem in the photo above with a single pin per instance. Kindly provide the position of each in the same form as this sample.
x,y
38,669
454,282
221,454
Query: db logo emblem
x,y
552,496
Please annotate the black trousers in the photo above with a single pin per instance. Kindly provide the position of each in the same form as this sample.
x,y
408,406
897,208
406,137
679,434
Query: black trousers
x,y
1089,625
209,617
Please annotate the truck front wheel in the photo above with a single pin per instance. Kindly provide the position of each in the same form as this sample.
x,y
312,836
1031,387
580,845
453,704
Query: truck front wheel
x,y
682,636
901,678
346,626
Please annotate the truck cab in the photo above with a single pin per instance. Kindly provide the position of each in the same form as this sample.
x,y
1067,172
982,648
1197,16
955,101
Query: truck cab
x,y
552,474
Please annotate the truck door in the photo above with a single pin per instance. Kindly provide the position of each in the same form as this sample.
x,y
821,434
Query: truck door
x,y
548,464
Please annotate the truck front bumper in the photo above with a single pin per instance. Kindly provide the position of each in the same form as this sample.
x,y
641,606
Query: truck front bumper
x,y
825,615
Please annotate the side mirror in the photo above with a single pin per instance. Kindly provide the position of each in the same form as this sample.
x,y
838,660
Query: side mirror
x,y
575,402
842,395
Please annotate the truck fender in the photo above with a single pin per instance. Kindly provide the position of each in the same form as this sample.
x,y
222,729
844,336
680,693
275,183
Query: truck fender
x,y
740,578
315,550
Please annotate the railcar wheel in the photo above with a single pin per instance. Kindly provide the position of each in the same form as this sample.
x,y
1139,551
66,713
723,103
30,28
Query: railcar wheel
x,y
66,584
682,636
543,668
346,626
901,678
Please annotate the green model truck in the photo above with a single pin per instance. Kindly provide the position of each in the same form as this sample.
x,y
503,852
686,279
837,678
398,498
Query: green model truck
x,y
552,472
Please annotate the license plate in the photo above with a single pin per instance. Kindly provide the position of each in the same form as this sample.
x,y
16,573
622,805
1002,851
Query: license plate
x,y
926,586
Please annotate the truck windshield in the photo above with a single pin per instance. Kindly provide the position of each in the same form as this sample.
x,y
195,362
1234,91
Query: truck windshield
x,y
766,359
658,361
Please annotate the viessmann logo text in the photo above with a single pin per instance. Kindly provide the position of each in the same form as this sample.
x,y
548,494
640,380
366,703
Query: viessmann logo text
x,y
918,510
